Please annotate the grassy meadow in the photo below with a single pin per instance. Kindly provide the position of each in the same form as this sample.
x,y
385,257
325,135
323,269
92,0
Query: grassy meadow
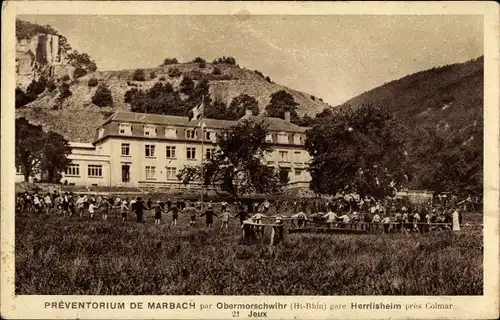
x,y
56,255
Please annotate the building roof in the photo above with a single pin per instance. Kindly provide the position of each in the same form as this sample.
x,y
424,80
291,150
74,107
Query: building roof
x,y
274,124
85,145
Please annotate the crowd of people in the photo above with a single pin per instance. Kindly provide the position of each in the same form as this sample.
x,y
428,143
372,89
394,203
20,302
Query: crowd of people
x,y
365,214
68,204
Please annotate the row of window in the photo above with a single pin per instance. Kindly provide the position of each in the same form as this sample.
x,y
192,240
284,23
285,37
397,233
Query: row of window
x,y
170,173
73,170
284,156
170,151
93,170
151,131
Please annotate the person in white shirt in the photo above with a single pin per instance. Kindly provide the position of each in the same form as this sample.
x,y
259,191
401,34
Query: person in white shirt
x,y
80,205
456,220
376,219
92,208
48,203
37,203
355,220
331,218
224,218
301,218
266,206
345,220
257,218
386,223
416,222
124,209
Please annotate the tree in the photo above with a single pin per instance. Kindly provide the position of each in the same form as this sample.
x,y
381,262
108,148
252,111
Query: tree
x,y
29,147
168,61
159,99
357,151
187,86
23,98
93,82
130,94
139,75
79,72
237,166
200,93
51,86
54,156
64,91
217,110
199,60
102,96
82,62
281,102
174,73
225,60
241,103
216,71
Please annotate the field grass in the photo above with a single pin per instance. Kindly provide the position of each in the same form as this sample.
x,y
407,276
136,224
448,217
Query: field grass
x,y
56,255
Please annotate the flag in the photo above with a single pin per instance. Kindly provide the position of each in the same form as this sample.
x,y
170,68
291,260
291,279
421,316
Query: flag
x,y
197,112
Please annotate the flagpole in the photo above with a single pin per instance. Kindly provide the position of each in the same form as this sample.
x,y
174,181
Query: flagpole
x,y
202,150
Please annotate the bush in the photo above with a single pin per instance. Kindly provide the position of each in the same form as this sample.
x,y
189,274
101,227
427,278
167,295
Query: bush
x,y
102,96
216,71
79,72
139,75
313,97
51,86
93,82
129,95
36,87
259,73
65,78
268,79
162,78
170,61
64,91
152,75
225,60
174,73
199,60
202,65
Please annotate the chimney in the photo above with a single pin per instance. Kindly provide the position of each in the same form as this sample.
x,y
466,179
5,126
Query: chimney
x,y
287,116
248,112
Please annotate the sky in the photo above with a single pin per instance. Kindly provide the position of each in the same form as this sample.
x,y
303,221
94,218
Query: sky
x,y
334,57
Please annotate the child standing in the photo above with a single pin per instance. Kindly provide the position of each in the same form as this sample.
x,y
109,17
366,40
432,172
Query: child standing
x,y
224,217
92,208
80,205
48,203
175,213
158,212
386,223
209,215
106,206
192,212
124,209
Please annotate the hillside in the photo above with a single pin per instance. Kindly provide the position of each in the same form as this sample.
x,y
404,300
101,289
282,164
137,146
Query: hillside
x,y
76,117
442,109
446,97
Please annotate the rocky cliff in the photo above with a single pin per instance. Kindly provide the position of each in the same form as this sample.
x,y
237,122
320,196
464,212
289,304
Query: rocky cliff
x,y
40,55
